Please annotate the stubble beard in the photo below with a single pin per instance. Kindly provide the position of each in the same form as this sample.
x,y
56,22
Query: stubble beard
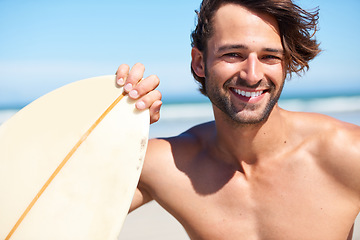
x,y
237,114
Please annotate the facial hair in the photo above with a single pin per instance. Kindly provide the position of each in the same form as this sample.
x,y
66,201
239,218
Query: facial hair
x,y
220,97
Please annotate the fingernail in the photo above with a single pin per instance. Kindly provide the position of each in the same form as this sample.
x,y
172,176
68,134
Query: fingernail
x,y
121,81
128,87
140,105
134,94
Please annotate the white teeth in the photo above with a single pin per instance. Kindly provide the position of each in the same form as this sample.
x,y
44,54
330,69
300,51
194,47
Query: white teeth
x,y
248,94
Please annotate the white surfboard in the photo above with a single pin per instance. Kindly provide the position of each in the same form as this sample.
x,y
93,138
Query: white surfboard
x,y
70,163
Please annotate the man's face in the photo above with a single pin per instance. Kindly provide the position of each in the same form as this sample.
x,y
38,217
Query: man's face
x,y
244,68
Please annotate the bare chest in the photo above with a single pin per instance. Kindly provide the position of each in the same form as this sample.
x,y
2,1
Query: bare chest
x,y
290,202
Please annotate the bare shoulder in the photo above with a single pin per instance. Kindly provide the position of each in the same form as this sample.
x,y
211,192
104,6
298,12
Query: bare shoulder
x,y
329,132
191,140
334,144
335,139
164,156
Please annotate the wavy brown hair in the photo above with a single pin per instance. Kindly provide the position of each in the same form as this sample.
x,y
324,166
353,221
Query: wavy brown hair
x,y
297,30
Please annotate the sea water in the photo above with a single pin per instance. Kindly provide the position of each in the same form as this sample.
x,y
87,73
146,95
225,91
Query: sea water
x,y
178,117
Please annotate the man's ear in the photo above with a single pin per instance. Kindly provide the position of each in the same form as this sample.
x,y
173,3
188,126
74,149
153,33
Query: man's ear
x,y
197,62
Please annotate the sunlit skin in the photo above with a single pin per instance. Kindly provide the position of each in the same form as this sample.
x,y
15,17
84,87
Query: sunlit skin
x,y
244,57
258,172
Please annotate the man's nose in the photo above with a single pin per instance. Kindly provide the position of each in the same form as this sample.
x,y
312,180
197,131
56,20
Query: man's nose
x,y
252,70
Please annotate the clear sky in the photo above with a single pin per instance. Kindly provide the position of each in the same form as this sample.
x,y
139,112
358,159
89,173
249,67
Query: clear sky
x,y
45,44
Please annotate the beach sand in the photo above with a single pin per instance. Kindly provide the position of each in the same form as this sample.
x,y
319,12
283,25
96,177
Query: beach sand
x,y
151,222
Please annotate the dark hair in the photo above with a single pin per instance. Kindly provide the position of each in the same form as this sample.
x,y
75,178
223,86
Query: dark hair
x,y
297,30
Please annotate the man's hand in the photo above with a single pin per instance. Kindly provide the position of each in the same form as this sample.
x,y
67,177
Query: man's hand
x,y
140,88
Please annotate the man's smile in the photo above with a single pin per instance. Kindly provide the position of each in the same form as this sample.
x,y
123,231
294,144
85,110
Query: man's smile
x,y
248,95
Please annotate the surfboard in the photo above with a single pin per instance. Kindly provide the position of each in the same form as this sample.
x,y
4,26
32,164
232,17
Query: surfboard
x,y
70,162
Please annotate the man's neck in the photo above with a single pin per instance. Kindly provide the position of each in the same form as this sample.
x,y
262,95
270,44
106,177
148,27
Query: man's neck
x,y
250,143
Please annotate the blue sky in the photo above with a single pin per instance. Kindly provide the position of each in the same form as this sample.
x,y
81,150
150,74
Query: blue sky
x,y
47,44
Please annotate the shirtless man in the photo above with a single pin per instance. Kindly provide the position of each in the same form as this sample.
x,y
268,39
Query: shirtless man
x,y
259,171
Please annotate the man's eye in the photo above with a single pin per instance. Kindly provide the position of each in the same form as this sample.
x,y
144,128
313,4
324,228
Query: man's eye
x,y
271,59
232,55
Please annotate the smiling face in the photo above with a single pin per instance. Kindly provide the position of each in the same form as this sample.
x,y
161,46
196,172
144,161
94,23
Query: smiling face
x,y
244,66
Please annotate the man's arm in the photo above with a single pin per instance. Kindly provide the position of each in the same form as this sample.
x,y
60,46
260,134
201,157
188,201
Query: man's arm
x,y
349,141
341,153
141,197
350,237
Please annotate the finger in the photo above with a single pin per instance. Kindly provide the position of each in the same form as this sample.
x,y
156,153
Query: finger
x,y
122,74
135,75
148,100
144,86
155,111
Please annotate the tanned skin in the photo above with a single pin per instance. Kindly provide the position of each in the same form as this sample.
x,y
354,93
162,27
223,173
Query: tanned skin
x,y
258,172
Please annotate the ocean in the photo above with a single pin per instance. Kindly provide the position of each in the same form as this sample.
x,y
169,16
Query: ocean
x,y
178,117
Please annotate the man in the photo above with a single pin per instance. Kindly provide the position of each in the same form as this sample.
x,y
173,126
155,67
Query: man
x,y
258,171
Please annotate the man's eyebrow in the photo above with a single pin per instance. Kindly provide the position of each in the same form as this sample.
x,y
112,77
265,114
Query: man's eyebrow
x,y
274,50
241,46
231,47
